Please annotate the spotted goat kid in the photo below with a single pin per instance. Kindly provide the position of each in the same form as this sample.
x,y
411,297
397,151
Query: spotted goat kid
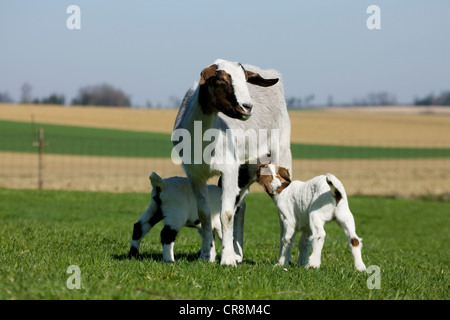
x,y
172,199
306,207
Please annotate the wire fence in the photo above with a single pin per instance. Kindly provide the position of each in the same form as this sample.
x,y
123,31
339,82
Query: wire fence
x,y
68,158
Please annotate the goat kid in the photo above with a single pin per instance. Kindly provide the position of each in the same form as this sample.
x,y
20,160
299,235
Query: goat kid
x,y
172,199
306,207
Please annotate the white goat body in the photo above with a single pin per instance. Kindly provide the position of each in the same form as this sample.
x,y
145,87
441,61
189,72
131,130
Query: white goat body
x,y
306,207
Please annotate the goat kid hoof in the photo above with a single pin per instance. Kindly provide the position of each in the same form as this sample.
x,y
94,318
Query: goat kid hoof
x,y
361,268
134,253
168,261
312,266
279,265
283,264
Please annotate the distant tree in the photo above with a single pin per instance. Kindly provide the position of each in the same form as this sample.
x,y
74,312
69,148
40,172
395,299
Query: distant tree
x,y
149,104
330,102
26,90
441,100
54,98
4,97
296,102
382,98
427,101
174,102
101,95
309,99
293,102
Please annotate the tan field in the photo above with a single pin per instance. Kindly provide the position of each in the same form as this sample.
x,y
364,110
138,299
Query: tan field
x,y
405,126
380,126
403,178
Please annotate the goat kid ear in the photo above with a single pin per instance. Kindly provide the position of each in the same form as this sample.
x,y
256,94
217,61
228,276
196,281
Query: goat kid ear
x,y
256,79
207,73
267,187
284,173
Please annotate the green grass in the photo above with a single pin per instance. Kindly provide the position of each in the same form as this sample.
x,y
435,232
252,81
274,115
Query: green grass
x,y
44,232
18,137
72,140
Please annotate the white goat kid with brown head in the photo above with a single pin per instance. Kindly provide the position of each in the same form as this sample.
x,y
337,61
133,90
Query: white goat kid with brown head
x,y
243,100
305,207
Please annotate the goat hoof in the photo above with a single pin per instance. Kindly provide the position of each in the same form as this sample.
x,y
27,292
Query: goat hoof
x,y
230,261
204,257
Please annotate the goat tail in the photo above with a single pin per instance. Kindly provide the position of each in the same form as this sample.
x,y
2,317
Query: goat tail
x,y
156,180
336,186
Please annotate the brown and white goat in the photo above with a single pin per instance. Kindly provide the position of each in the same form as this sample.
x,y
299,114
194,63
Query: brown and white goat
x,y
230,103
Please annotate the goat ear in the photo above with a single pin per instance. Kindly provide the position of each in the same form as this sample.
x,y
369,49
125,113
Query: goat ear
x,y
284,173
207,73
256,79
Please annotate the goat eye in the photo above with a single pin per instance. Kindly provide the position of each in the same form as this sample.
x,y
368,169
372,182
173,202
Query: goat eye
x,y
221,82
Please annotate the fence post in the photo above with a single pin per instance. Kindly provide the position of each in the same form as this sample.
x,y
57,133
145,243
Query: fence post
x,y
41,158
40,144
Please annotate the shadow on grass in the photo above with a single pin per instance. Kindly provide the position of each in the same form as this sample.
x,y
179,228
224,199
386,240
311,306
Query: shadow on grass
x,y
190,257
156,256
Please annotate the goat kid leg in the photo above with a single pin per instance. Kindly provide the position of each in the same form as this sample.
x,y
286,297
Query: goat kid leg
x,y
149,218
286,240
168,235
207,251
304,245
346,221
317,238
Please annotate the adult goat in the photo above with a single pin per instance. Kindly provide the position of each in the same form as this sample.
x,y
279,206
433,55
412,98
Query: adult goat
x,y
231,121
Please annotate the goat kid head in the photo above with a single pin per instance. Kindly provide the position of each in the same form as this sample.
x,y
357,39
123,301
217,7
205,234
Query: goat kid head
x,y
273,178
223,88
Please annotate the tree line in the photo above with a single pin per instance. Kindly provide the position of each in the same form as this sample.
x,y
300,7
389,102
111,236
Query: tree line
x,y
382,98
91,95
109,96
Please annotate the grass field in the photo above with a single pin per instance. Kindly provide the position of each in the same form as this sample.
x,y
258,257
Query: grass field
x,y
42,233
73,140
408,126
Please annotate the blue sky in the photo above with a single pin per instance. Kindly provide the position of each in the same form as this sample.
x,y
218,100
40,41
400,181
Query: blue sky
x,y
156,49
